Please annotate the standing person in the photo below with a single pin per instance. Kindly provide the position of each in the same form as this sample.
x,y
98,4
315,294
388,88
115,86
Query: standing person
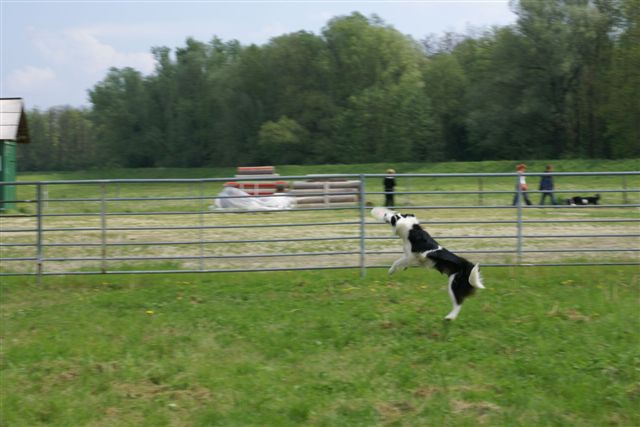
x,y
521,186
546,186
389,185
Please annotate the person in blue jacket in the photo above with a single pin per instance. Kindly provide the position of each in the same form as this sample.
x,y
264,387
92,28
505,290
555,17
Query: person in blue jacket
x,y
546,186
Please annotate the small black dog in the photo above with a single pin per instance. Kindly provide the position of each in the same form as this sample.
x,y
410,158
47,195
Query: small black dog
x,y
578,200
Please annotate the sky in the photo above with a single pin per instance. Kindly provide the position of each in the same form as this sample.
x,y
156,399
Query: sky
x,y
53,52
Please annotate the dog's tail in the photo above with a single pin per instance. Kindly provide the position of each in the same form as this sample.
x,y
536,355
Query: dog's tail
x,y
474,277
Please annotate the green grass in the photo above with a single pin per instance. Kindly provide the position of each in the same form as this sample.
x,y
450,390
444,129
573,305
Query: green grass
x,y
545,346
491,166
539,347
150,190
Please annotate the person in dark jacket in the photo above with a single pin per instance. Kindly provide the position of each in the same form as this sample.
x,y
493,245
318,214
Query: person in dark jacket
x,y
546,186
389,184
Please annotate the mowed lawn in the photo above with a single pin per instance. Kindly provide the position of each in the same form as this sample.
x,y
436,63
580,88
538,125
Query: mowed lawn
x,y
540,346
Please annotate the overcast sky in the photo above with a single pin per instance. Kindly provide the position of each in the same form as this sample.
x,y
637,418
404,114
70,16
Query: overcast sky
x,y
52,52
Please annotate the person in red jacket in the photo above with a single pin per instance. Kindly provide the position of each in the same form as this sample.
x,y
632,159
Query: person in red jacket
x,y
521,186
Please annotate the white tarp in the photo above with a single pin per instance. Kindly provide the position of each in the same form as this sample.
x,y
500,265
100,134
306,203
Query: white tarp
x,y
233,198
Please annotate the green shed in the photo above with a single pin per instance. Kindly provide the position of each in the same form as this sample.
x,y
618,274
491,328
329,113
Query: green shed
x,y
13,131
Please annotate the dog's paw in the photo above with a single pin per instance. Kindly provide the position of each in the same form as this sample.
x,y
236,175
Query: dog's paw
x,y
452,316
394,268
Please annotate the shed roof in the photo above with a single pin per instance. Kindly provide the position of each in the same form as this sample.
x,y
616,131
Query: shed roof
x,y
13,120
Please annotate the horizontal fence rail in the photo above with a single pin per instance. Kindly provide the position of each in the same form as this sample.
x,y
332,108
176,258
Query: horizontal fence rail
x,y
133,226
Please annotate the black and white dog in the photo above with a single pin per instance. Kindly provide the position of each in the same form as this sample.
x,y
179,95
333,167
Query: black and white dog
x,y
579,200
422,250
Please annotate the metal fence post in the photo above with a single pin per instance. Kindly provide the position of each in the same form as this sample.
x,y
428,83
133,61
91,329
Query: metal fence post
x,y
363,266
625,200
103,228
480,189
519,225
39,251
201,224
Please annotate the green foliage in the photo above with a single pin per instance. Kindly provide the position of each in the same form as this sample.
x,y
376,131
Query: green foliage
x,y
562,82
62,138
282,141
622,108
488,166
545,346
385,112
539,86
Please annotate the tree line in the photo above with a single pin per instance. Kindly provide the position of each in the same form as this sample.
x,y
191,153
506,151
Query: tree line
x,y
562,82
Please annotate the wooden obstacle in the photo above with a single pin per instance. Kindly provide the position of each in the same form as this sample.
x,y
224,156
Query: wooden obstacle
x,y
257,188
256,170
315,191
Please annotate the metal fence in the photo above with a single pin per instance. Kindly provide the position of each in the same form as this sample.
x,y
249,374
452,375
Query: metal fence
x,y
129,226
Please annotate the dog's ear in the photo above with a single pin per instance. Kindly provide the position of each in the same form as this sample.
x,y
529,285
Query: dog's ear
x,y
393,220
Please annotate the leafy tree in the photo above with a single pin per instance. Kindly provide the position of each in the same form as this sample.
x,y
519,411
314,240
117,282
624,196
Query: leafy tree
x,y
561,82
622,109
62,138
283,141
377,86
446,85
120,116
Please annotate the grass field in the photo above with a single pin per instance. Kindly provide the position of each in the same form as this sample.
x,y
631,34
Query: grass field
x,y
497,166
539,347
372,185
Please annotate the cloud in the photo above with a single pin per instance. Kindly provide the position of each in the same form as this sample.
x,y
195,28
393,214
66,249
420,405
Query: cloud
x,y
29,78
69,61
82,49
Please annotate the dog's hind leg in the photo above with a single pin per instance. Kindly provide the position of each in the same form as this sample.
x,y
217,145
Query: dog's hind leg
x,y
460,287
456,307
475,279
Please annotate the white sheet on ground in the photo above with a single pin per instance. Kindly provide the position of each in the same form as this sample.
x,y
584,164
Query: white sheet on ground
x,y
234,198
